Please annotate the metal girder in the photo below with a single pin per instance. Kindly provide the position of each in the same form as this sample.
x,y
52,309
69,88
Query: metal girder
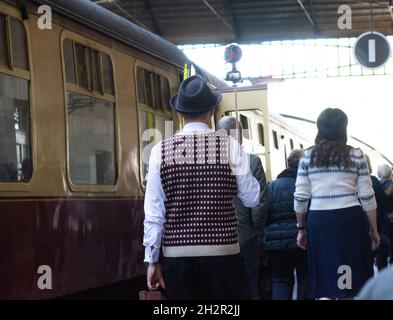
x,y
217,14
236,32
153,19
309,13
127,14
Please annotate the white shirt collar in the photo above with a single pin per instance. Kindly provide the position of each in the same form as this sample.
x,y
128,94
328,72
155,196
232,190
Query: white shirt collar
x,y
195,126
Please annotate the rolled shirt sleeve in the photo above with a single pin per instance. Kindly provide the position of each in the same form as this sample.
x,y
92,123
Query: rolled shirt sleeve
x,y
302,193
364,185
248,189
154,208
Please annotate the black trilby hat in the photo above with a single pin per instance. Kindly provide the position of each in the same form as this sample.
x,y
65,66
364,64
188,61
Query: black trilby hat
x,y
332,124
195,97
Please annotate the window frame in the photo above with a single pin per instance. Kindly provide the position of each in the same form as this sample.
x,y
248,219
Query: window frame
x,y
76,187
144,107
275,139
261,133
28,75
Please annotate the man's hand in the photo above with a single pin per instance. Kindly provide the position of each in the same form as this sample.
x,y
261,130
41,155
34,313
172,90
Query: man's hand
x,y
302,239
375,239
155,280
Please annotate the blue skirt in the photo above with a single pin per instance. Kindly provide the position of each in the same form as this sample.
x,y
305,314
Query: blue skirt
x,y
339,252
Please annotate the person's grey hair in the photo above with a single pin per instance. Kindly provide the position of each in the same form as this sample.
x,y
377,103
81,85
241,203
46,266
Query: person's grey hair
x,y
228,123
384,171
294,158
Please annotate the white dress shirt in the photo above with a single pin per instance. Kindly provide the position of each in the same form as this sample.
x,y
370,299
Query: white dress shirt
x,y
247,186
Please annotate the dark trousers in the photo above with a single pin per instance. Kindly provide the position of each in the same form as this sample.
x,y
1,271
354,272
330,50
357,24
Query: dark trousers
x,y
283,264
206,278
381,255
250,253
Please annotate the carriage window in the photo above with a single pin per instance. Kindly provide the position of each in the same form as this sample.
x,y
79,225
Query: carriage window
x,y
107,71
17,56
69,61
15,144
91,115
3,42
91,123
275,139
154,112
153,90
88,68
95,71
150,120
244,122
291,143
147,88
157,89
81,65
261,134
166,94
15,155
19,49
140,79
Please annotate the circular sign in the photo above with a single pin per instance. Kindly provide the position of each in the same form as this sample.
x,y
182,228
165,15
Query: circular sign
x,y
371,50
233,53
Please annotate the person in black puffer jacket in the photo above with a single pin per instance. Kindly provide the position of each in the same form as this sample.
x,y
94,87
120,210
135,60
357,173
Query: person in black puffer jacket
x,y
281,232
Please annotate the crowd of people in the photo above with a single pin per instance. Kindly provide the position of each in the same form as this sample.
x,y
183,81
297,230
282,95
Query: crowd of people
x,y
219,229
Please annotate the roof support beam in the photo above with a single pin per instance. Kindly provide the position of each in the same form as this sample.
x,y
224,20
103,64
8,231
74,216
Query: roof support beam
x,y
217,14
127,14
228,4
309,13
153,19
391,8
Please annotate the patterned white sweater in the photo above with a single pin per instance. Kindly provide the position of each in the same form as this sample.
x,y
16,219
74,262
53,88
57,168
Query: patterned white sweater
x,y
334,188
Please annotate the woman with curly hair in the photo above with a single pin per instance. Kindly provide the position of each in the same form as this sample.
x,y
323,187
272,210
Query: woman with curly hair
x,y
334,177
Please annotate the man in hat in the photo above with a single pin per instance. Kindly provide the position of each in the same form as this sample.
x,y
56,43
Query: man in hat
x,y
193,179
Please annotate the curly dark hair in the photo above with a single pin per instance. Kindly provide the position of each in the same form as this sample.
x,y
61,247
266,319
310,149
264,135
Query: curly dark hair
x,y
330,153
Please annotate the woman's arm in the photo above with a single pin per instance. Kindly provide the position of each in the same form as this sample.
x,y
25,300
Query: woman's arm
x,y
301,236
375,238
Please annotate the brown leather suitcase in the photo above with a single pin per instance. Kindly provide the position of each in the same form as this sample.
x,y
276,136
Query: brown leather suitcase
x,y
151,295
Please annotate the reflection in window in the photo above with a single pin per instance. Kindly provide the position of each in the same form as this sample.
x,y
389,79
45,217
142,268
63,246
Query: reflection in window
x,y
154,111
15,155
150,120
91,125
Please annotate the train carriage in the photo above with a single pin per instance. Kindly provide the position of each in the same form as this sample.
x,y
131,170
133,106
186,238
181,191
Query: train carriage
x,y
74,102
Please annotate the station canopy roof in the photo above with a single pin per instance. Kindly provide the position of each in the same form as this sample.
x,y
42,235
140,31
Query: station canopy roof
x,y
247,21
